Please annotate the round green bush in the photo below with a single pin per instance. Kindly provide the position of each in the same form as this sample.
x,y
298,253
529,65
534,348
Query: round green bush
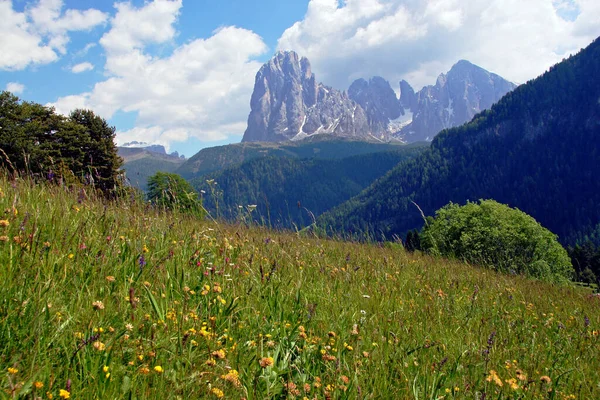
x,y
499,237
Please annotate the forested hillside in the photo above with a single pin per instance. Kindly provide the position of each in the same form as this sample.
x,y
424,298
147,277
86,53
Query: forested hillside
x,y
218,158
538,149
291,190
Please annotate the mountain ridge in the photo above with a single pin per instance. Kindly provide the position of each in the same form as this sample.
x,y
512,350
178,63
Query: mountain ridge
x,y
288,103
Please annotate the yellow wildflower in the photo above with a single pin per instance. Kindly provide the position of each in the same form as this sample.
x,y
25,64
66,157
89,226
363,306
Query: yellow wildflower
x,y
64,394
12,371
217,392
218,354
38,384
493,376
4,223
211,362
512,382
232,377
159,369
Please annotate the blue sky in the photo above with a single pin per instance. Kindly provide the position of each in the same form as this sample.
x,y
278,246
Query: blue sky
x,y
180,72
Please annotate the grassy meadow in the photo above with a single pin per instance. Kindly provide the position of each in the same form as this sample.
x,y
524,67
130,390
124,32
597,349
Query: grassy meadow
x,y
117,300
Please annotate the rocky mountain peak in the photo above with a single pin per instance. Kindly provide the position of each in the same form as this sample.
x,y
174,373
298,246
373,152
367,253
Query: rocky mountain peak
x,y
288,103
379,101
455,99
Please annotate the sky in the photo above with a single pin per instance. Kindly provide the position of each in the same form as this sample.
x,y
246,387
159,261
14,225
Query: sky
x,y
181,72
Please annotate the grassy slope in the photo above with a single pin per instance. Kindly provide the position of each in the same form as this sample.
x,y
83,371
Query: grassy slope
x,y
346,320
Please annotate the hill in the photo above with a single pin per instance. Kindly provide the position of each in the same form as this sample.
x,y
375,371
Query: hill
x,y
141,163
221,157
538,149
293,191
117,300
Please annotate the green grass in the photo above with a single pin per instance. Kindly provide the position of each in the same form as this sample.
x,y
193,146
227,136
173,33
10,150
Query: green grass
x,y
340,320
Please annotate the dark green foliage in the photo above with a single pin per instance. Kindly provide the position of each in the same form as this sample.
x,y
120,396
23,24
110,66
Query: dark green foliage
x,y
219,158
413,241
289,191
498,237
537,149
172,192
39,142
101,151
586,261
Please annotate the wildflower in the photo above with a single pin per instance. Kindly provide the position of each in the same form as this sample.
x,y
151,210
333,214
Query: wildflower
x,y
129,327
144,370
38,384
232,377
512,382
217,392
105,369
345,379
110,278
211,362
3,238
64,394
159,369
98,305
266,362
220,354
12,371
49,395
4,223
98,345
493,376
521,375
71,255
545,379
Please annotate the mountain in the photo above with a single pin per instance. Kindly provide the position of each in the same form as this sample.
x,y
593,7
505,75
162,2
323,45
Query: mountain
x,y
153,148
289,104
291,191
142,162
377,98
218,158
537,149
455,99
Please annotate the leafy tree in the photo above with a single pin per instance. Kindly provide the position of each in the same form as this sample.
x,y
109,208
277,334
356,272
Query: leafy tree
x,y
37,141
172,192
499,237
101,151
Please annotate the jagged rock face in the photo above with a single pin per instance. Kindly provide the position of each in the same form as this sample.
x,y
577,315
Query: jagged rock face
x,y
287,103
377,98
408,98
455,99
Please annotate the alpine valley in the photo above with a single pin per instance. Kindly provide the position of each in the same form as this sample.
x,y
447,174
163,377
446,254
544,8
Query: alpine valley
x,y
309,147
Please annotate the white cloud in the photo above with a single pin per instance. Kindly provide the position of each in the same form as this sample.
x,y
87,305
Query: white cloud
x,y
15,87
83,67
36,35
201,90
418,39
